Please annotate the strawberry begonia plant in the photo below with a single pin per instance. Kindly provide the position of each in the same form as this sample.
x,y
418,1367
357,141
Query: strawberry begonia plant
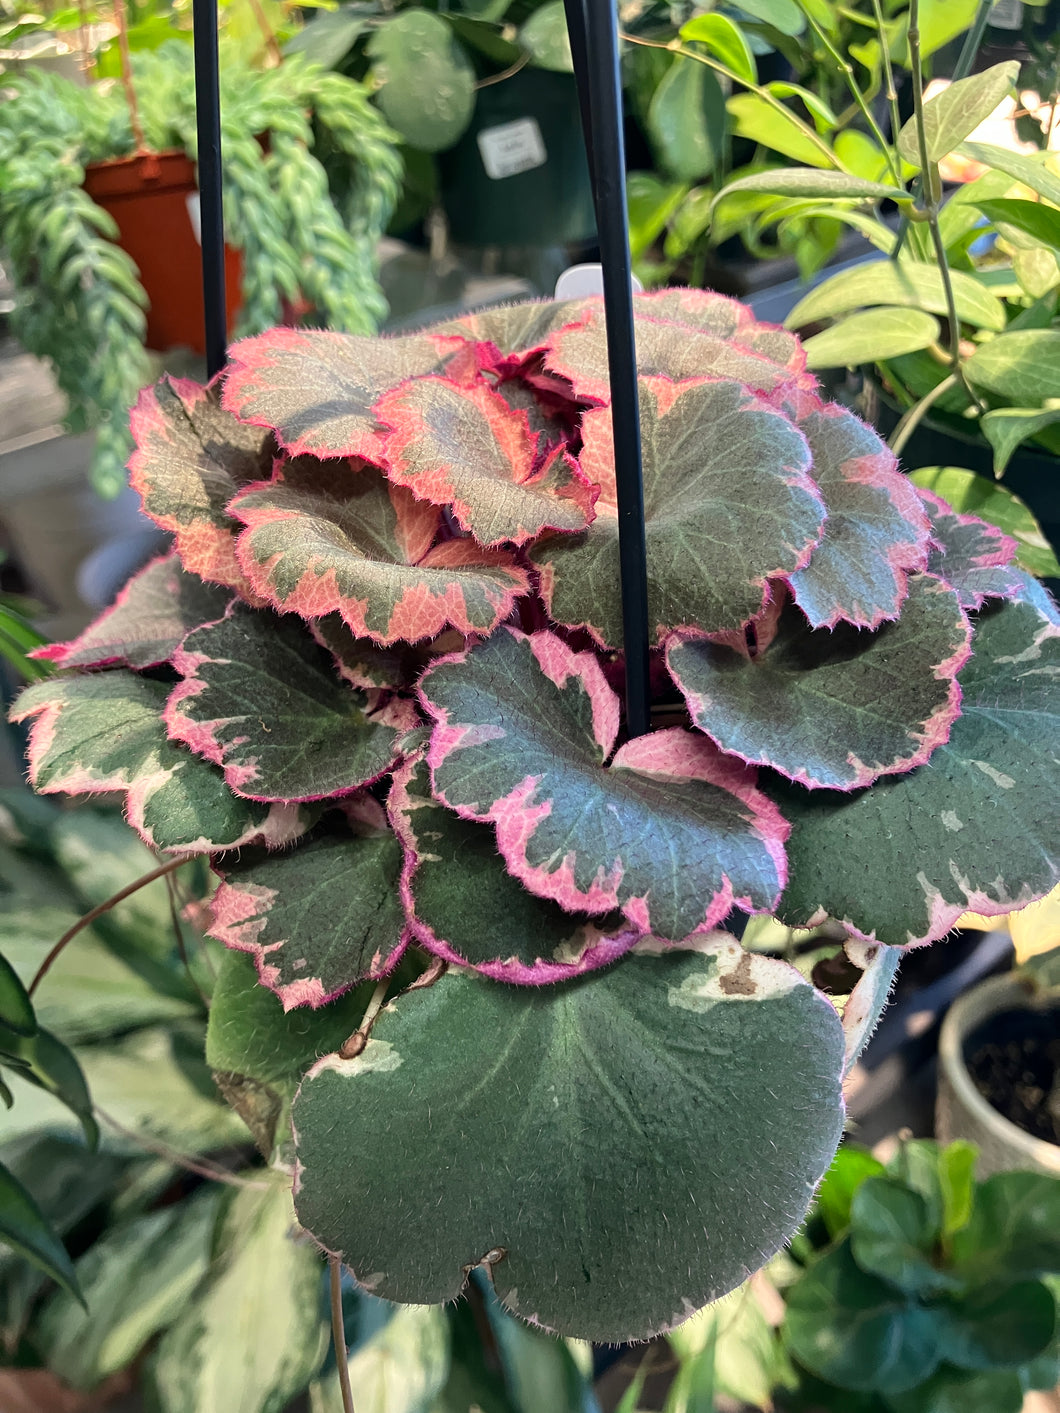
x,y
378,681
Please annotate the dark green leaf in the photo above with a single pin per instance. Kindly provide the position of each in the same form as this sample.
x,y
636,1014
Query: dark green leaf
x,y
1006,428
686,120
993,1328
857,1331
1033,219
784,15
25,1228
329,37
16,1009
951,1390
1014,1230
588,1085
427,83
892,1235
45,1061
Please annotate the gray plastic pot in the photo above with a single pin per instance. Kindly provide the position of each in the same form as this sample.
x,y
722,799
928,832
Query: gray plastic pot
x,y
961,1111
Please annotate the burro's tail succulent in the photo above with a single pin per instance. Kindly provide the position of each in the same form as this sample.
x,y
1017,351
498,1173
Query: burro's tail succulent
x,y
376,681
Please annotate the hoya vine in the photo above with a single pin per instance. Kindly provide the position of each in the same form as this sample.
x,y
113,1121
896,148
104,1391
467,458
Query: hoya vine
x,y
378,680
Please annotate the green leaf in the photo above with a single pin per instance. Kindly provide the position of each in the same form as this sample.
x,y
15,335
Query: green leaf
x,y
43,1060
809,182
850,1168
24,1227
1009,427
892,1235
686,120
523,728
588,1084
713,455
651,203
254,1335
1030,170
743,1347
957,111
950,1390
970,494
902,861
16,1009
137,1278
913,286
261,698
857,1331
957,1184
104,731
328,37
427,83
401,1369
1022,366
545,36
319,918
1032,219
1014,1231
724,40
760,122
870,335
1008,1327
784,15
828,706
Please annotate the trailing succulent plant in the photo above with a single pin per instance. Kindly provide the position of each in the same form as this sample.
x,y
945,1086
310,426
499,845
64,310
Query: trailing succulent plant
x,y
376,682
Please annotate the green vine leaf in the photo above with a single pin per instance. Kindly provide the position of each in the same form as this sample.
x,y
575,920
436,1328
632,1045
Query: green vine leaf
x,y
262,699
327,538
190,459
832,708
319,918
671,832
146,622
957,111
623,1219
427,84
728,502
971,831
104,731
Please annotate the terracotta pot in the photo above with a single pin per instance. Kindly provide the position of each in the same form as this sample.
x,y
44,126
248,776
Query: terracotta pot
x,y
962,1111
148,197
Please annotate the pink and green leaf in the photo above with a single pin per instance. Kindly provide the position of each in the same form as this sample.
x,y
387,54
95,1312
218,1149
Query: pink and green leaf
x,y
728,504
668,350
876,533
317,390
320,541
146,622
976,558
672,832
705,311
191,458
463,905
974,830
833,708
464,447
262,699
517,331
99,732
317,919
366,664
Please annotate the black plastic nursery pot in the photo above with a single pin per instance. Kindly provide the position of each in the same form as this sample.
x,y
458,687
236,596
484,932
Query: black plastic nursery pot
x,y
519,174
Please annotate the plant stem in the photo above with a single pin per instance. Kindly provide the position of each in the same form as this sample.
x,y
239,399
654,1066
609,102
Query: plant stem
x,y
932,189
847,70
338,1335
178,936
200,1167
913,417
99,910
807,131
972,40
126,76
888,76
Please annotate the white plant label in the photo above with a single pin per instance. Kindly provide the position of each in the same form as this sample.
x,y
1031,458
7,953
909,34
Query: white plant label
x,y
511,148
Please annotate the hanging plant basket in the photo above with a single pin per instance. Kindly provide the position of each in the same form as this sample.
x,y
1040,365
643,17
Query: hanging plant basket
x,y
151,196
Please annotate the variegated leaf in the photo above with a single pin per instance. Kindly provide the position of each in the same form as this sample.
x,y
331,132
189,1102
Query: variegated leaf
x,y
670,350
464,906
317,390
103,731
190,459
976,558
318,918
464,447
833,708
876,532
146,622
974,830
593,1149
705,311
671,832
366,664
262,699
320,540
868,1000
728,503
